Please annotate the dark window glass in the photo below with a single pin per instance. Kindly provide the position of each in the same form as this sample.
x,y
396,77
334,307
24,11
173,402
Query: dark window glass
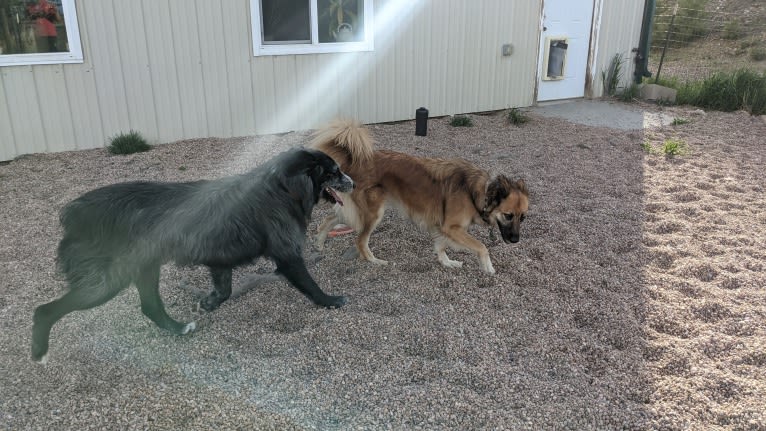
x,y
285,21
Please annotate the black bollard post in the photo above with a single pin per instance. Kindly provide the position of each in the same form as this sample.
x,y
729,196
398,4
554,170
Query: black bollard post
x,y
421,121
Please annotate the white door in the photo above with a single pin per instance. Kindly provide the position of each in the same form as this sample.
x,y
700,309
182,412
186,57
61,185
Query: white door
x,y
564,47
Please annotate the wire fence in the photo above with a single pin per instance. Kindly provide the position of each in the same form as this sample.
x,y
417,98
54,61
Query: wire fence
x,y
691,43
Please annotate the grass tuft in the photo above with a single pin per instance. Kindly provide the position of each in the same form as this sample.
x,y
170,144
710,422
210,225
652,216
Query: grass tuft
x,y
629,93
128,143
724,91
461,121
611,77
516,117
758,53
674,147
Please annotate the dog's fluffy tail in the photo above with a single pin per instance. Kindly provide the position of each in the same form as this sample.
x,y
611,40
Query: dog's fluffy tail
x,y
347,141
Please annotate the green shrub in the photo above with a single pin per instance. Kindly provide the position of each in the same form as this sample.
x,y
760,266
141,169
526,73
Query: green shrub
x,y
647,146
128,143
630,93
747,43
724,91
679,121
612,76
732,30
674,147
461,121
516,116
758,53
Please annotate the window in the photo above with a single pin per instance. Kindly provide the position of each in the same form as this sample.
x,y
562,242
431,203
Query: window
x,y
38,32
311,26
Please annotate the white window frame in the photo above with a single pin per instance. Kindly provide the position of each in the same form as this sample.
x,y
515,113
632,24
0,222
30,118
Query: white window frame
x,y
74,55
314,47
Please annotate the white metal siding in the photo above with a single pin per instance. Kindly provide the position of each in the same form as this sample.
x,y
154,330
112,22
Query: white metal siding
x,y
619,32
175,69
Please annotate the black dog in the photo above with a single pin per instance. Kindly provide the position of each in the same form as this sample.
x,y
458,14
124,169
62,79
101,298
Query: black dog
x,y
122,234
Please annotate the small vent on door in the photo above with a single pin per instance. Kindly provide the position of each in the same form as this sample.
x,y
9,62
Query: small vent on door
x,y
555,58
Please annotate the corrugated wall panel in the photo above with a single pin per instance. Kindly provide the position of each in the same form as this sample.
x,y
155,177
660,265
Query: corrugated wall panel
x,y
438,61
406,65
80,82
214,61
286,93
86,117
490,51
367,93
163,71
263,82
421,62
235,22
133,53
55,115
620,32
455,34
24,109
517,81
186,42
102,53
7,141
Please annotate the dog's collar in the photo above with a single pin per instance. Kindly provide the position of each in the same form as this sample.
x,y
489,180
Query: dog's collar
x,y
484,211
484,215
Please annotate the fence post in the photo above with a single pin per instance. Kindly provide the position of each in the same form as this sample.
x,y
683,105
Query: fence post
x,y
667,38
641,70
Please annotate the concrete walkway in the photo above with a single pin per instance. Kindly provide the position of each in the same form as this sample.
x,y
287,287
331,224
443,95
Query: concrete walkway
x,y
603,113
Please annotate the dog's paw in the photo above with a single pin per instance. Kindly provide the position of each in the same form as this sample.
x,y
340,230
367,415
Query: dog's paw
x,y
377,261
449,263
208,304
189,327
486,265
330,301
488,269
40,353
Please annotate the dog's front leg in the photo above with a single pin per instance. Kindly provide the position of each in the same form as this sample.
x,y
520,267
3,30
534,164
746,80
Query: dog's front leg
x,y
294,269
222,285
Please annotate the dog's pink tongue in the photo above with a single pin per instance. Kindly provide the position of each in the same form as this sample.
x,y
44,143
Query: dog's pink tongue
x,y
335,196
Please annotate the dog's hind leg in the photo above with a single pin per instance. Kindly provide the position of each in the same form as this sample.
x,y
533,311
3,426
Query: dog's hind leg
x,y
79,297
294,269
222,285
370,218
324,229
148,284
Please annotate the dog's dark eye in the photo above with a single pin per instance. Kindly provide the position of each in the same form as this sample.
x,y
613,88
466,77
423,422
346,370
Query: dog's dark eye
x,y
508,217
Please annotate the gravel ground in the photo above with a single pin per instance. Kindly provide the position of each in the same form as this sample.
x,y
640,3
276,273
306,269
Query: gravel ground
x,y
634,300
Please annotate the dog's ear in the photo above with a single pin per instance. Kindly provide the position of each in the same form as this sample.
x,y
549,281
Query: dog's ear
x,y
497,190
301,162
522,186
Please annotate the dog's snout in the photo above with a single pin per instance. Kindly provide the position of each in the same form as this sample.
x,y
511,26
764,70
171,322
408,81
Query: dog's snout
x,y
348,180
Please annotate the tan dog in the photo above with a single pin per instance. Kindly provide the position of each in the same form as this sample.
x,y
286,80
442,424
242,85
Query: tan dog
x,y
443,196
